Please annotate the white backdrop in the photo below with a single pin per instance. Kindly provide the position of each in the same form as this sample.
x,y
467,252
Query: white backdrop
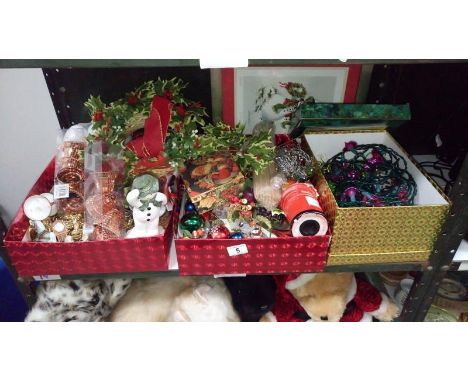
x,y
28,128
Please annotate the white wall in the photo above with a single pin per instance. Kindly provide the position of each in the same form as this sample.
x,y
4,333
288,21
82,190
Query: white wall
x,y
28,129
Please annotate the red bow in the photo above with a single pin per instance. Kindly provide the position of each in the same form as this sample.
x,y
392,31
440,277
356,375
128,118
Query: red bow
x,y
151,144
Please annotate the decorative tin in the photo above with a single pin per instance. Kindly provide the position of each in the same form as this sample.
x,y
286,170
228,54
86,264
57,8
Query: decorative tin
x,y
342,115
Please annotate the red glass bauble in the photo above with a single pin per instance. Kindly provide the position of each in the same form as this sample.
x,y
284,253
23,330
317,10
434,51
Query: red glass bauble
x,y
219,232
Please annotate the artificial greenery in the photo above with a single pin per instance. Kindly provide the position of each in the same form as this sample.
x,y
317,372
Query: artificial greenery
x,y
187,138
252,153
115,122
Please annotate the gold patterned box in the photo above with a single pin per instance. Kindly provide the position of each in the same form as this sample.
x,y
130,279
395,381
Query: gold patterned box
x,y
363,235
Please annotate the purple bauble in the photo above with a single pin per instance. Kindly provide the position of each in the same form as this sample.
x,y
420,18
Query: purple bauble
x,y
249,195
350,194
376,158
351,145
353,174
336,178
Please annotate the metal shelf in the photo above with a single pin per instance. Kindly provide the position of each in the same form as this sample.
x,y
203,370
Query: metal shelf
x,y
93,63
127,63
336,268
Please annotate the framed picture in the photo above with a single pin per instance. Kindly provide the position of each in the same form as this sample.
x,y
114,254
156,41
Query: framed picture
x,y
255,94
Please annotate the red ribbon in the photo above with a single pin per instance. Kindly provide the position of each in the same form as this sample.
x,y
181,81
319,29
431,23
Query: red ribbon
x,y
151,144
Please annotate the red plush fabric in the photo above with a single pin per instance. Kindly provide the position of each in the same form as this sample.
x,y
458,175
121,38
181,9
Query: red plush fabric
x,y
367,297
287,308
352,313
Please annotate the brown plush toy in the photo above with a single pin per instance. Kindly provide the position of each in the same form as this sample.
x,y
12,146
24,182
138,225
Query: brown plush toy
x,y
329,297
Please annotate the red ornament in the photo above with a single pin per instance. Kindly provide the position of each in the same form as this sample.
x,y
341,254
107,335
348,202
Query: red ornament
x,y
234,199
98,116
168,94
132,100
180,110
195,105
281,139
219,232
178,126
208,215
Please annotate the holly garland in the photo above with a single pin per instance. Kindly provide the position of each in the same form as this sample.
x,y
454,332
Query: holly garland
x,y
114,123
251,153
187,138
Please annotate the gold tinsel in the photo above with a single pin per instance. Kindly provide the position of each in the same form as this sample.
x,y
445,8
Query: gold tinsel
x,y
73,223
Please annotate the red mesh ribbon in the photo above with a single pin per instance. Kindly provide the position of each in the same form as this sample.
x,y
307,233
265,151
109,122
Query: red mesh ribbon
x,y
151,144
281,139
352,313
367,297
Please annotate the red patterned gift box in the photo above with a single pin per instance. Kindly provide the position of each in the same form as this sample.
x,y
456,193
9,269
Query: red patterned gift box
x,y
282,254
89,257
252,256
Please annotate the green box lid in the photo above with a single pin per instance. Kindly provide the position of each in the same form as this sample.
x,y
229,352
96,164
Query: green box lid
x,y
347,115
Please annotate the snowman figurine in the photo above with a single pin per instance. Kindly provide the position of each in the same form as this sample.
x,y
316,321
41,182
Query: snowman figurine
x,y
148,205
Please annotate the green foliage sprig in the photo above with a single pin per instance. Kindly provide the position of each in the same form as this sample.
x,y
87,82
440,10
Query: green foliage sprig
x,y
251,153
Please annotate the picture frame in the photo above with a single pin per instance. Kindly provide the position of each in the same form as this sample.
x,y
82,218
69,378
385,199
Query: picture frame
x,y
247,93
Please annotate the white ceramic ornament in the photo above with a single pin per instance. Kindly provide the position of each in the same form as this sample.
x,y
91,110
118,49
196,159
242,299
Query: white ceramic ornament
x,y
146,221
37,208
76,133
50,198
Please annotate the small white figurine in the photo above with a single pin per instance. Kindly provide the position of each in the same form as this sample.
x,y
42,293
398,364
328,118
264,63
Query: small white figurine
x,y
76,133
146,220
37,208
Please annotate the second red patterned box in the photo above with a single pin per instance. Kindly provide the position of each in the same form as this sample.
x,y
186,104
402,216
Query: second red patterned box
x,y
306,254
